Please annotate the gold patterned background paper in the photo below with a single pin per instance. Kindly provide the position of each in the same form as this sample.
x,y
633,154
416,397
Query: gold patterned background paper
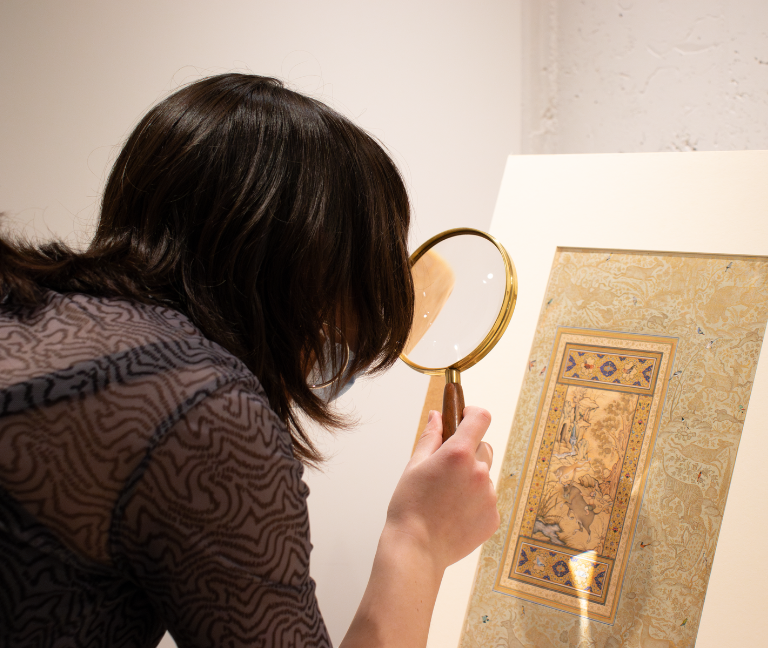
x,y
615,476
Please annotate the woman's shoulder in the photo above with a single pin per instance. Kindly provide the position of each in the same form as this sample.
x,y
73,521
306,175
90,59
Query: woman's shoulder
x,y
122,337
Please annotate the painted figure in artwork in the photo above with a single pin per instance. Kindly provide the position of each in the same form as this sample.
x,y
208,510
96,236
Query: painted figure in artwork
x,y
567,422
576,419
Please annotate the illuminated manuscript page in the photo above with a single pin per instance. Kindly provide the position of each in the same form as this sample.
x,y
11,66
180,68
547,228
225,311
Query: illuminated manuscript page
x,y
614,481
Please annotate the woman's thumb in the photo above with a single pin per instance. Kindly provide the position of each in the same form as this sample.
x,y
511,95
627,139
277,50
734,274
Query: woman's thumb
x,y
431,438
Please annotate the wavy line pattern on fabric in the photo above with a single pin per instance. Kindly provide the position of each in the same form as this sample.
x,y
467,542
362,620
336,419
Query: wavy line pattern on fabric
x,y
145,484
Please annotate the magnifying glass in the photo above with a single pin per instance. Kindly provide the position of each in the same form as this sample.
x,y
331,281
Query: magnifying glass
x,y
466,288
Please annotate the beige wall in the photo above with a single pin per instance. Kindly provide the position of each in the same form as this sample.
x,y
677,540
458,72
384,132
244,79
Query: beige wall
x,y
437,82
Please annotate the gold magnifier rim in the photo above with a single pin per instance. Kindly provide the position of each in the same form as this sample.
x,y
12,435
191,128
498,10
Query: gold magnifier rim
x,y
505,313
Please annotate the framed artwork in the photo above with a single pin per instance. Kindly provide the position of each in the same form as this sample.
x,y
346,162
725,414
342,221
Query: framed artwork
x,y
616,473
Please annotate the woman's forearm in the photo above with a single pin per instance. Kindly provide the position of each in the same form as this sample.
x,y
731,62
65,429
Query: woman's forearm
x,y
396,608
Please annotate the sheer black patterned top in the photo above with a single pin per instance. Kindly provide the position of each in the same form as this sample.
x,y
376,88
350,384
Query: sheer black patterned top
x,y
145,484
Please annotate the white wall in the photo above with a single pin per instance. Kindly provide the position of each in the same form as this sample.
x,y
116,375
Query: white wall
x,y
645,75
436,81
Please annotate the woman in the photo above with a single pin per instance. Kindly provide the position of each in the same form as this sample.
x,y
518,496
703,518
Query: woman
x,y
152,388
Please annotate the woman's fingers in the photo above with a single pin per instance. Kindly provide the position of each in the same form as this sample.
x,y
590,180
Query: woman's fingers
x,y
430,438
472,427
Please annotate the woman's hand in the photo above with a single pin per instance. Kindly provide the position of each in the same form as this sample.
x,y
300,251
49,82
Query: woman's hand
x,y
445,499
443,507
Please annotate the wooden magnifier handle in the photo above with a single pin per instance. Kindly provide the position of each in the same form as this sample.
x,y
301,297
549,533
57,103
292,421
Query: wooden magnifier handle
x,y
453,403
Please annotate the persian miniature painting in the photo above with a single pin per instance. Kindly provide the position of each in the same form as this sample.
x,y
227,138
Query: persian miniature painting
x,y
594,431
615,477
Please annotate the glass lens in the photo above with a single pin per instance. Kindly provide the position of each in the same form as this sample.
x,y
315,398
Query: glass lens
x,y
459,285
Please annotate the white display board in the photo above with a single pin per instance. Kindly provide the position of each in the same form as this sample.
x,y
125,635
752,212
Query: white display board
x,y
714,202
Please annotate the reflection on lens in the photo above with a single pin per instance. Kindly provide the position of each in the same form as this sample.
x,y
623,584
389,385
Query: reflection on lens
x,y
433,280
459,286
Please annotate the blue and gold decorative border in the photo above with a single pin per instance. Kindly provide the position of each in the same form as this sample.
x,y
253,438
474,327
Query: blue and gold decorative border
x,y
582,575
593,366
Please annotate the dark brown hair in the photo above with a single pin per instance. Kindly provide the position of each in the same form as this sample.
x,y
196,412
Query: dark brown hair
x,y
259,213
